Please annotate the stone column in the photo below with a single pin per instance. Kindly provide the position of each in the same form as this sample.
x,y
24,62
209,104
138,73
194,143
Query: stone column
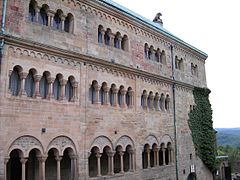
x,y
115,98
58,159
23,77
131,99
62,22
163,151
98,155
111,35
151,103
110,163
148,158
121,153
23,161
50,87
42,161
157,98
73,167
131,152
96,88
75,89
50,16
63,82
5,167
103,33
120,42
156,158
106,96
37,79
37,10
145,105
123,97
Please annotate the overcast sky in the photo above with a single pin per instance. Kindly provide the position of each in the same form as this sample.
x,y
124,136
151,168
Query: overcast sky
x,y
212,26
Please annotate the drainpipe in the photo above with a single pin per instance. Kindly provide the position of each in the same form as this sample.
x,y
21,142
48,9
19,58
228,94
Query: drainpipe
x,y
3,30
174,113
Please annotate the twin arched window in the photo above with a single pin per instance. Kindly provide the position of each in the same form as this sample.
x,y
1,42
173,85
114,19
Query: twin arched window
x,y
41,16
14,81
154,55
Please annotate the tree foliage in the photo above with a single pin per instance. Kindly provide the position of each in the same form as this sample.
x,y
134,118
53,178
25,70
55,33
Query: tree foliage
x,y
201,125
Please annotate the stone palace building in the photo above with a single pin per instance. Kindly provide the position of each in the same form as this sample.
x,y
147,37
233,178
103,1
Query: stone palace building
x,y
91,90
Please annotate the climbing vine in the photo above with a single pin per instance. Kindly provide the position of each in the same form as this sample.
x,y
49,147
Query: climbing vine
x,y
201,125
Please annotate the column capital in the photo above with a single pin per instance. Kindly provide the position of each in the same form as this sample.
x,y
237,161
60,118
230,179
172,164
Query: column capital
x,y
75,84
130,92
37,77
63,82
110,153
58,158
23,75
155,149
106,89
123,91
42,158
145,95
157,97
6,159
151,96
73,157
98,155
50,80
115,90
96,87
23,160
121,153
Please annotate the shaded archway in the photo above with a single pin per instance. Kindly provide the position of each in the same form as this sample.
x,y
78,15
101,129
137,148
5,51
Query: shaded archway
x,y
51,164
192,176
32,165
14,165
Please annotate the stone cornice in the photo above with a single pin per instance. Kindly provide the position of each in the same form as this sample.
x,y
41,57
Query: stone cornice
x,y
86,59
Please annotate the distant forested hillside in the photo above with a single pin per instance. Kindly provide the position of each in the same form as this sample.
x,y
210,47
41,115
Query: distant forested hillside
x,y
228,136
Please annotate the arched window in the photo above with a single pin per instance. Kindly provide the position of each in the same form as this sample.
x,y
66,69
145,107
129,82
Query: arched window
x,y
100,34
57,87
163,57
162,102
92,162
157,55
69,23
124,44
57,22
43,85
145,156
144,99
93,92
69,88
117,40
107,37
43,17
156,101
146,51
32,11
120,96
14,81
129,97
30,83
167,103
150,53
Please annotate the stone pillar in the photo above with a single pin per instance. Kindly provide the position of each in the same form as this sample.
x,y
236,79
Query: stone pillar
x,y
23,161
37,79
131,153
131,99
151,103
157,98
121,153
58,159
98,155
111,39
148,158
110,163
63,82
73,167
123,97
145,105
96,88
37,10
50,19
50,87
103,33
5,167
115,98
42,161
163,151
62,22
75,90
23,77
120,42
106,96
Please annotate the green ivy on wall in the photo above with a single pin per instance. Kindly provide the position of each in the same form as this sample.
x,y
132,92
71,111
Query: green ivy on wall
x,y
201,125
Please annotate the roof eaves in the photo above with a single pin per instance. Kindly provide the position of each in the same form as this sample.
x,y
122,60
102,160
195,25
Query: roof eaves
x,y
149,23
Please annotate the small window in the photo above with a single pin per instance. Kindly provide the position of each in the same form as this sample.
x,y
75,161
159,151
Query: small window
x,y
69,23
30,84
32,11
146,50
43,86
57,22
107,37
163,58
57,87
69,89
100,34
15,82
43,18
117,40
124,43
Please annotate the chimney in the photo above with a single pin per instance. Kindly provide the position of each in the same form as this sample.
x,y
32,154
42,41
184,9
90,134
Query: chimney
x,y
158,19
